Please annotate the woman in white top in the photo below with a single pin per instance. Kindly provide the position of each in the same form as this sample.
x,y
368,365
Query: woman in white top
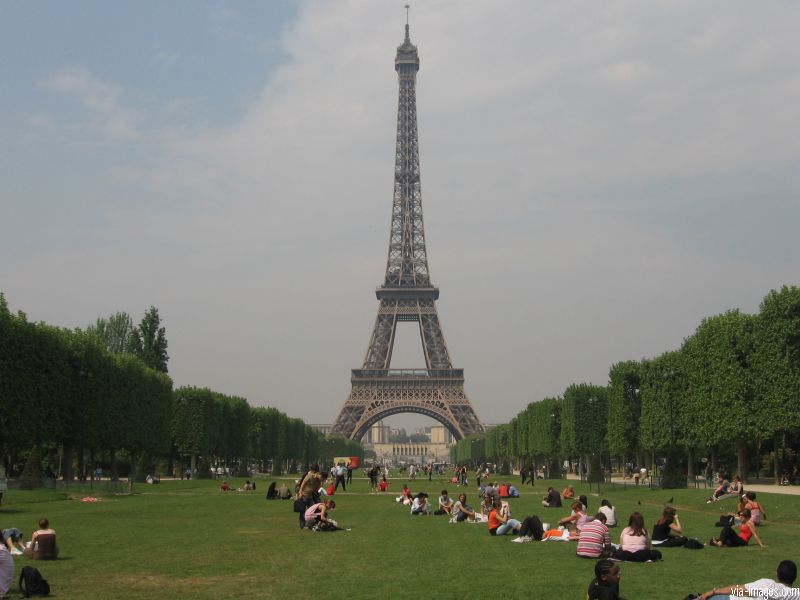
x,y
610,513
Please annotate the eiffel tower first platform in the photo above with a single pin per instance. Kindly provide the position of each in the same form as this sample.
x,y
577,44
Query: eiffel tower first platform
x,y
407,294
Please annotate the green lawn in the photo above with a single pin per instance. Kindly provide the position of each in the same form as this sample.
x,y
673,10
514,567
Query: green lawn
x,y
185,539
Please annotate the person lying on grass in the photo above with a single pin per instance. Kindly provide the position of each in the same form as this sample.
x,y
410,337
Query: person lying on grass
x,y
762,588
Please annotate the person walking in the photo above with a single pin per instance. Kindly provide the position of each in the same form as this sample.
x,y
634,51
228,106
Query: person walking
x,y
340,472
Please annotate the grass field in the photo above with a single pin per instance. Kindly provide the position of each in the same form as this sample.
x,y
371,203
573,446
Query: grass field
x,y
185,539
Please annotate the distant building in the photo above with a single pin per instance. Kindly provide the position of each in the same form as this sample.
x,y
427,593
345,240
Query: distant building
x,y
323,429
435,449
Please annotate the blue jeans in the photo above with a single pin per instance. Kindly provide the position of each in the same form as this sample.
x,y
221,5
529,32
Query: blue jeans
x,y
509,525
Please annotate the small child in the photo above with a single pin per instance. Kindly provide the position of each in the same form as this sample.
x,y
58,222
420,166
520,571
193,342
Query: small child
x,y
605,585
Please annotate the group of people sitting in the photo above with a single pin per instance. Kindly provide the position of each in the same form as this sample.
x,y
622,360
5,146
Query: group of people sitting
x,y
727,488
247,487
42,546
278,492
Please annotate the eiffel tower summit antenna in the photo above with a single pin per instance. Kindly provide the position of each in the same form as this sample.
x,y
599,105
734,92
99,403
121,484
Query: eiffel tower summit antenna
x,y
407,294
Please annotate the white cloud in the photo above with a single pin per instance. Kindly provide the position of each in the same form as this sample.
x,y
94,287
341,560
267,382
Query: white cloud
x,y
566,150
101,100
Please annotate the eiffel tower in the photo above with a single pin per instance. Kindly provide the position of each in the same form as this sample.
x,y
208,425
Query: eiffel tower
x,y
407,294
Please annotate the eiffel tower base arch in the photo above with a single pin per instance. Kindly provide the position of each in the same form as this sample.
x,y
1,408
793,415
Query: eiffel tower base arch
x,y
379,393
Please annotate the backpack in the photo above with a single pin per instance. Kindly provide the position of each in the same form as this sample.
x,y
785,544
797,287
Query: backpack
x,y
694,544
31,583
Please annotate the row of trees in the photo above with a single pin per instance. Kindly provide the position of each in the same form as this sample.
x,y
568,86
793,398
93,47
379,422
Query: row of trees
x,y
731,389
104,391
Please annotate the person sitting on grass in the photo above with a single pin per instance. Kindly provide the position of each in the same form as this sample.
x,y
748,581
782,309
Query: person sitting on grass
x,y
605,585
225,487
583,499
568,493
500,523
720,491
729,538
757,512
406,497
634,543
735,489
43,543
283,492
445,504
461,510
420,505
761,588
317,518
594,538
552,499
664,528
383,485
576,520
608,510
272,492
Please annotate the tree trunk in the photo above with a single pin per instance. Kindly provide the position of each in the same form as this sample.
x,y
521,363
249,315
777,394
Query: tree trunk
x,y
67,462
81,462
778,451
193,465
690,472
134,456
114,474
741,458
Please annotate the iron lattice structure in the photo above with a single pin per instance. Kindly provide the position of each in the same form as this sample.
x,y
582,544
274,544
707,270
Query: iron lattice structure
x,y
407,294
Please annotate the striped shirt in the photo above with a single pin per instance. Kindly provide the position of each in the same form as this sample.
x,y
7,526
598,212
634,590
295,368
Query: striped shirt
x,y
593,538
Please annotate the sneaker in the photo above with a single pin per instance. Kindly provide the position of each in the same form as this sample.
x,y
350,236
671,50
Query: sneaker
x,y
523,539
16,551
546,526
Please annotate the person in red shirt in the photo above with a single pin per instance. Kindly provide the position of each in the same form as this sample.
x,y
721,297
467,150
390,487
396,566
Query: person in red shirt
x,y
728,537
224,487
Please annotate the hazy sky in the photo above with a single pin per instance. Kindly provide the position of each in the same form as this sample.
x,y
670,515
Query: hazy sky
x,y
597,177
